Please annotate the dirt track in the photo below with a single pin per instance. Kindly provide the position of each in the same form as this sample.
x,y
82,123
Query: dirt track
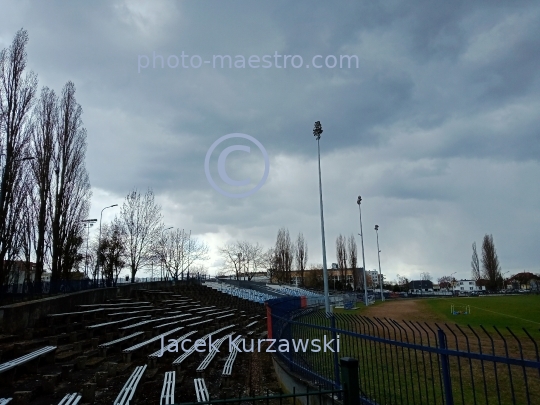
x,y
402,309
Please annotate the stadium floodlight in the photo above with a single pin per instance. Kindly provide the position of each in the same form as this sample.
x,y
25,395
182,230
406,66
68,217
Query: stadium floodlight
x,y
359,201
317,131
379,256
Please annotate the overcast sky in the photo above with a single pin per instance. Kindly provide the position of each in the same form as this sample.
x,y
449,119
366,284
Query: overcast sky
x,y
437,128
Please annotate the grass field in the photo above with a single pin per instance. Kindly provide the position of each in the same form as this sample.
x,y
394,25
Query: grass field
x,y
515,312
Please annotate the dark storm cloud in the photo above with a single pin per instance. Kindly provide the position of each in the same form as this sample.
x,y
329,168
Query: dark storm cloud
x,y
446,94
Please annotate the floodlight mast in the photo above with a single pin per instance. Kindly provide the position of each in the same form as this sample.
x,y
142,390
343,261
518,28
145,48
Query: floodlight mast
x,y
379,256
359,201
317,131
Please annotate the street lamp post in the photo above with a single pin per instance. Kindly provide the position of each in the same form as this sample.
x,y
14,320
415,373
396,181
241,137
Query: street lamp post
x,y
317,131
379,256
163,253
359,201
99,240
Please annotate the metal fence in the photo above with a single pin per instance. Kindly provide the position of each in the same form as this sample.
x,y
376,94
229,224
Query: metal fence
x,y
414,362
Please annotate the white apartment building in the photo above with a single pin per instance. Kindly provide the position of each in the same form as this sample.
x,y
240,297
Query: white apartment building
x,y
374,274
467,286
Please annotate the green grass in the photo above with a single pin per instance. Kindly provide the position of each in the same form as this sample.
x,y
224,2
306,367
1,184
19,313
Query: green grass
x,y
516,312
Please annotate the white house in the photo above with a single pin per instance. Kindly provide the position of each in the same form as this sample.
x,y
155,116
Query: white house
x,y
467,286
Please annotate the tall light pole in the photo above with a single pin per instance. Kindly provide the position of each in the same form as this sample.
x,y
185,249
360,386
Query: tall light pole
x,y
163,253
359,201
379,256
99,240
317,131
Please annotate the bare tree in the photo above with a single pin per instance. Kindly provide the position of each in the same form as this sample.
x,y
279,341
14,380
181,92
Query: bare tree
x,y
27,231
196,250
446,282
341,256
269,261
475,264
181,251
112,251
491,269
253,258
369,280
16,98
403,282
353,260
232,259
141,218
283,256
71,201
200,270
42,149
301,255
425,276
245,259
174,246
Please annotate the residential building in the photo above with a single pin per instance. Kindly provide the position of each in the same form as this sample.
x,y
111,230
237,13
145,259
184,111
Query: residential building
x,y
374,276
467,286
420,286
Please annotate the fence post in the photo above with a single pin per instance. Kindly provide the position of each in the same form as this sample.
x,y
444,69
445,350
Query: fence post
x,y
445,363
336,355
349,372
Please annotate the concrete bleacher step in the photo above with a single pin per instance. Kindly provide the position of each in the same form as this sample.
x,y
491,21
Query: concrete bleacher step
x,y
8,338
20,348
95,361
68,355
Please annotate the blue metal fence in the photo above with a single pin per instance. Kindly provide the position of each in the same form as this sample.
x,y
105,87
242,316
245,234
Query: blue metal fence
x,y
415,362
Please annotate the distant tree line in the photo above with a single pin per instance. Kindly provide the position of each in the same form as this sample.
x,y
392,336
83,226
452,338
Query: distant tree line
x,y
244,259
486,270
